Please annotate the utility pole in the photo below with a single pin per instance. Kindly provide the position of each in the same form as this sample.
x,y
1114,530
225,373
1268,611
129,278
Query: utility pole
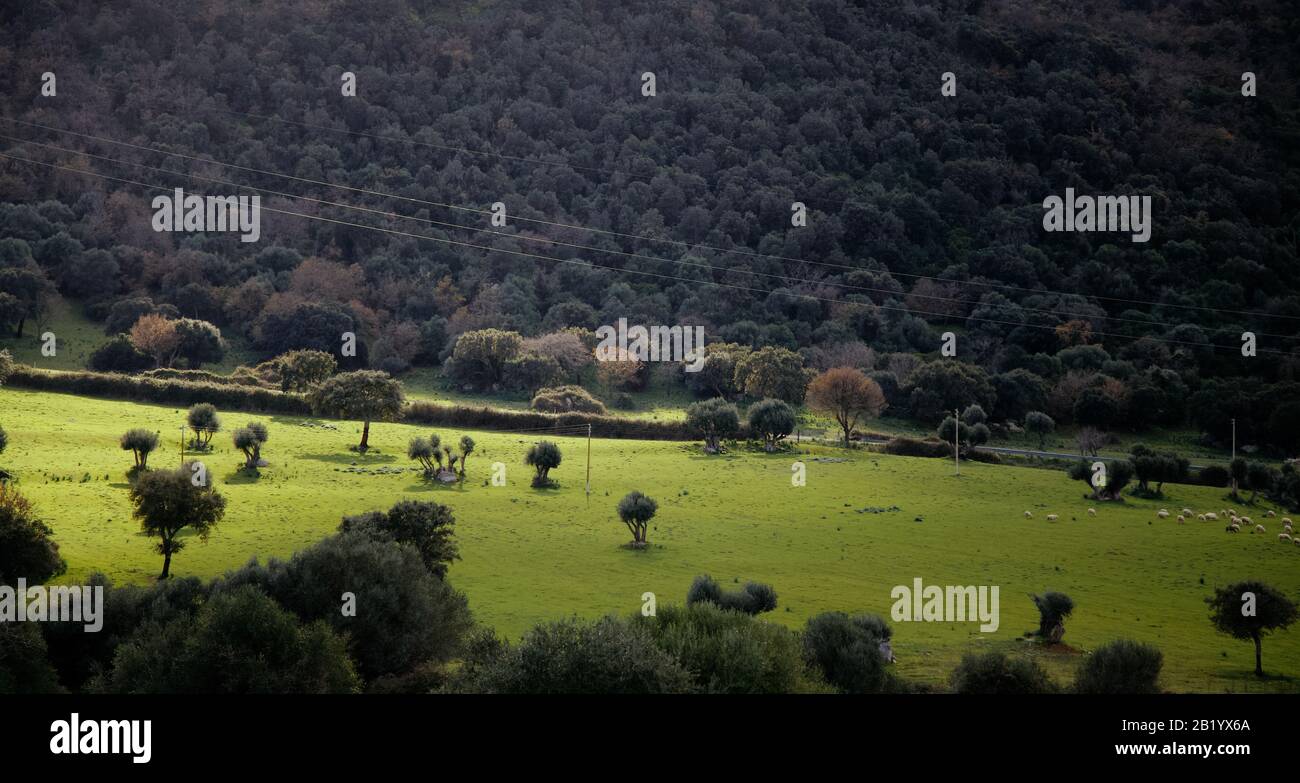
x,y
589,463
956,440
1234,456
182,445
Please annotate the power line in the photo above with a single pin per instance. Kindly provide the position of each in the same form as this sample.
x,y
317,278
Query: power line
x,y
678,243
561,243
627,271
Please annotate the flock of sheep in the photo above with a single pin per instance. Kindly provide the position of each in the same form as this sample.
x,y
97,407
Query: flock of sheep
x,y
1234,521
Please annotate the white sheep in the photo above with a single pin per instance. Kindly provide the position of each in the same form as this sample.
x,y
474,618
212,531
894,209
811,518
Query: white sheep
x,y
1092,512
1260,529
1234,520
1213,517
1201,517
1029,515
1248,520
1181,519
1187,512
1269,513
1286,520
1052,517
1283,537
1162,513
1232,529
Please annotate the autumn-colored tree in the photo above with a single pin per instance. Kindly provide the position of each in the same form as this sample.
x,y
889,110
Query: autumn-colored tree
x,y
1076,332
847,395
156,336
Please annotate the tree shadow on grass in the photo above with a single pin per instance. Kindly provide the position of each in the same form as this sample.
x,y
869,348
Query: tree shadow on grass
x,y
350,457
241,476
435,486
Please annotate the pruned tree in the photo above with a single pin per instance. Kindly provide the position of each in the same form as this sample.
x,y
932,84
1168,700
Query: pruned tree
x,y
1053,609
544,457
466,449
249,439
205,422
367,395
636,510
848,396
141,443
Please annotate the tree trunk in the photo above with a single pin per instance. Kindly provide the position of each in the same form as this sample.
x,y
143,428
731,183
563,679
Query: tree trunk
x,y
167,560
365,436
1259,661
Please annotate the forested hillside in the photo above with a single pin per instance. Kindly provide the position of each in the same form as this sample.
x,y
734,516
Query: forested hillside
x,y
924,211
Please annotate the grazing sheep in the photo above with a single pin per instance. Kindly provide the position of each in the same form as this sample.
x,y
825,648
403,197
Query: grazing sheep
x,y
1232,511
1187,512
1181,519
1286,520
1232,529
1248,520
1162,513
1201,517
1092,512
1234,520
1260,529
1213,517
1052,517
1269,513
1283,537
1029,515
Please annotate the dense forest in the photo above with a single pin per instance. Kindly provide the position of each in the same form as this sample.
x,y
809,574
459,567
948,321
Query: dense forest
x,y
924,211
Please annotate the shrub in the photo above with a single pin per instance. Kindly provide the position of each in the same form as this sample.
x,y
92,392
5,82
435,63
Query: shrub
x,y
996,673
608,656
1121,666
484,417
163,391
239,642
752,598
424,525
1214,476
405,616
119,354
847,651
567,399
728,652
27,549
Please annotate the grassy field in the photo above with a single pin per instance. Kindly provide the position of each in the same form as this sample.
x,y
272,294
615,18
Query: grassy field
x,y
530,555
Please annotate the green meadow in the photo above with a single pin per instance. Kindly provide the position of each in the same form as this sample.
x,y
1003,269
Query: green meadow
x,y
835,544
